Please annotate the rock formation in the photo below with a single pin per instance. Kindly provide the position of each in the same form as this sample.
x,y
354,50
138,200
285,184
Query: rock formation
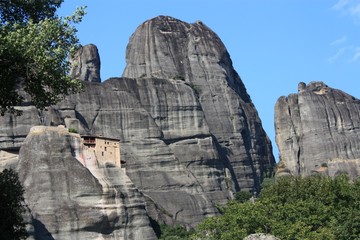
x,y
72,199
189,132
85,65
167,48
318,131
261,236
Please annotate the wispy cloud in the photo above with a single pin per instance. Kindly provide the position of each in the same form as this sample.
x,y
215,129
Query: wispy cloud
x,y
341,4
348,54
356,55
355,10
337,55
338,41
348,7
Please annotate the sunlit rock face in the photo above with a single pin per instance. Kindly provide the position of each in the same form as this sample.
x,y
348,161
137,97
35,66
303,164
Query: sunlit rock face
x,y
71,196
318,131
85,64
165,47
189,133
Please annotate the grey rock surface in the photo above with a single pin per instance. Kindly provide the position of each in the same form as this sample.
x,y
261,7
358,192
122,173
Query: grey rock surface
x,y
189,132
318,131
85,65
165,47
67,200
261,236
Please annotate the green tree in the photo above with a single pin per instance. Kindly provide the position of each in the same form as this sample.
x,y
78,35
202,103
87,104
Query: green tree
x,y
243,196
314,207
11,206
22,11
176,232
34,48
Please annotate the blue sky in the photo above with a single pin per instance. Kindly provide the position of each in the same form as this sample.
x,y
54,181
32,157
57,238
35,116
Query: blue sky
x,y
274,44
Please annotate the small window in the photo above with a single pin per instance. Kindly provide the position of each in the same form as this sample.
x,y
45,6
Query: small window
x,y
102,153
105,148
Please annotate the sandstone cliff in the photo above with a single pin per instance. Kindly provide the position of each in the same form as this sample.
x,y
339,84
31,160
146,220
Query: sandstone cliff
x,y
86,64
167,48
69,198
318,130
189,132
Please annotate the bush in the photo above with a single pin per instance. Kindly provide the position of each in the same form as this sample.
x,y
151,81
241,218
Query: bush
x,y
243,196
314,207
73,130
176,232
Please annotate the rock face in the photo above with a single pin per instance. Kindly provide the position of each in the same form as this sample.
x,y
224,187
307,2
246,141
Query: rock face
x,y
261,236
86,64
318,130
167,48
189,132
67,200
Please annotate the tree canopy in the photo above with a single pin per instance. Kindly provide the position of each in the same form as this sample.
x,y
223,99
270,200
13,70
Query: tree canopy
x,y
11,206
34,48
314,207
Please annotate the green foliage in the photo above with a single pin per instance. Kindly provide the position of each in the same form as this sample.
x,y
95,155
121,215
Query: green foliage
x,y
72,130
177,232
34,49
314,207
20,11
243,196
11,206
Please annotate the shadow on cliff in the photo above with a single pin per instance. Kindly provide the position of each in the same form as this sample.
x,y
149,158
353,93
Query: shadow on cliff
x,y
40,231
224,152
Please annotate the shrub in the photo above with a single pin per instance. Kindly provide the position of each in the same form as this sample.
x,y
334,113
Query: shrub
x,y
73,130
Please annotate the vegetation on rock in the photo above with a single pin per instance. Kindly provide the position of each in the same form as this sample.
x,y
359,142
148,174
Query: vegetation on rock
x,y
34,49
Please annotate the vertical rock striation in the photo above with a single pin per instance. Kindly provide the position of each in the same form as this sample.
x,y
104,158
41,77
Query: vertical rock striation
x,y
189,132
318,130
67,200
168,48
85,65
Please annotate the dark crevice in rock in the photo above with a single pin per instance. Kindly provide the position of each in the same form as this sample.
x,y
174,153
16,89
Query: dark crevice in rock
x,y
223,152
82,120
175,140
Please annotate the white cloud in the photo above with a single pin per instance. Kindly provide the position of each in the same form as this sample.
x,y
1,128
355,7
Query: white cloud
x,y
356,55
341,4
337,55
348,7
338,41
355,10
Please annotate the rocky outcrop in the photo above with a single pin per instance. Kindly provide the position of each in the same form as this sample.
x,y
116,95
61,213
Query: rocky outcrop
x,y
85,65
168,48
189,132
318,131
261,236
69,198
